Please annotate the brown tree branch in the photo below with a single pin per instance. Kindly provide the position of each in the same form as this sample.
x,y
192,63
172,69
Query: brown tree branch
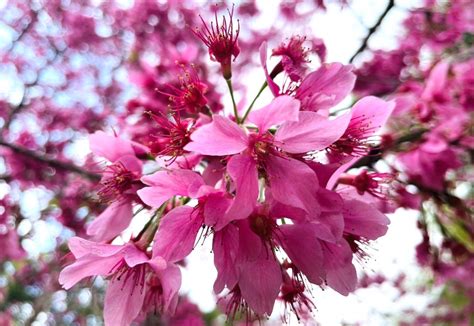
x,y
65,166
372,30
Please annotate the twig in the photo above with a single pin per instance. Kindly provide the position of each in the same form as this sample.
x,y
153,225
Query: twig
x,y
50,161
28,86
372,30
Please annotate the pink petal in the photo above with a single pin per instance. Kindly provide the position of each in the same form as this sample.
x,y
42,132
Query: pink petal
x,y
215,209
282,108
263,60
220,137
131,163
109,147
123,302
329,226
177,233
370,114
111,222
293,183
81,247
225,247
436,83
364,220
312,132
260,282
326,87
303,248
243,171
134,256
170,282
169,183
86,266
341,273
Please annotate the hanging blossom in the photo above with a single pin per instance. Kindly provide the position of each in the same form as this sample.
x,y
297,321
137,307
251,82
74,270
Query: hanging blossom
x,y
263,187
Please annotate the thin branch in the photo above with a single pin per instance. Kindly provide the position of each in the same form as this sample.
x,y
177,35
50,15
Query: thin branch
x,y
50,161
28,86
372,30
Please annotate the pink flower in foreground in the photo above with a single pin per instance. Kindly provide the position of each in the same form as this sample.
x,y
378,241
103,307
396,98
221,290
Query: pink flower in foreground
x,y
262,153
135,278
119,183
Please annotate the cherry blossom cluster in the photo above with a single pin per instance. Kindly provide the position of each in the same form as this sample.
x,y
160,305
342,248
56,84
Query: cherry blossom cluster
x,y
258,183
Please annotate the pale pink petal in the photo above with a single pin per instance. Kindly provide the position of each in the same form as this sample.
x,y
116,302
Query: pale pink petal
x,y
364,220
177,233
109,147
281,109
86,266
81,247
370,114
220,137
341,273
131,163
134,256
170,282
293,183
312,132
123,302
169,183
303,248
243,171
111,222
225,247
326,87
260,282
263,60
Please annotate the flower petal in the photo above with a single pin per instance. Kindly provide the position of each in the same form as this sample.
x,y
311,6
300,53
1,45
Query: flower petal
x,y
170,282
312,132
109,147
123,302
220,137
81,247
364,220
169,183
111,222
177,233
243,171
225,247
293,183
260,282
370,114
263,60
282,108
86,266
326,87
341,273
303,248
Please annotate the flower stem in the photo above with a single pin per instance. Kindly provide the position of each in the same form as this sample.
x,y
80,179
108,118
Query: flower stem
x,y
236,114
254,100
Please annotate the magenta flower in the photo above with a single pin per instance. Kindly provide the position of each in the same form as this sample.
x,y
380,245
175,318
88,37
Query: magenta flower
x,y
269,155
119,183
221,41
428,163
294,58
134,277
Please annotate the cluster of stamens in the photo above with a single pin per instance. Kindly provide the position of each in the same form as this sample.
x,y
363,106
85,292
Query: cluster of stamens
x,y
116,180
